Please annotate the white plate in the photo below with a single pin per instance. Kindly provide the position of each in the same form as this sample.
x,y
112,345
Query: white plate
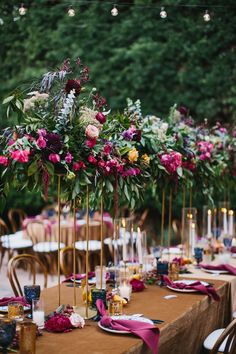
x,y
5,309
90,281
187,282
233,255
124,317
214,271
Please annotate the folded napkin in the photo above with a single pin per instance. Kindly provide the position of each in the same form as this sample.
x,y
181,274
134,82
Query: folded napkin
x,y
5,300
79,276
229,268
147,332
197,285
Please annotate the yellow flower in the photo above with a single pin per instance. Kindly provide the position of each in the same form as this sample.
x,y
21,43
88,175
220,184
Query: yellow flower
x,y
133,155
146,159
71,175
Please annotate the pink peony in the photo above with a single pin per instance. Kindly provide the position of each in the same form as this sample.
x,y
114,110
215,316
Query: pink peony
x,y
68,157
92,132
20,155
41,142
133,171
137,285
107,149
92,160
4,160
78,165
90,143
42,132
101,117
54,158
58,323
171,161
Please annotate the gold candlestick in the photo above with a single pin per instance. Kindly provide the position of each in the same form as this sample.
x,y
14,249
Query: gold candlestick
x,y
101,236
59,236
170,217
162,217
74,241
87,248
182,231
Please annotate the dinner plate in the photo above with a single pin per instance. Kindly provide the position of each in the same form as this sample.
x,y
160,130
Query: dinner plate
x,y
214,271
124,317
5,309
90,281
233,255
187,282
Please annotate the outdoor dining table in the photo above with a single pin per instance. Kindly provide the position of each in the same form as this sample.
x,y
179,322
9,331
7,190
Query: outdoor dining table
x,y
188,319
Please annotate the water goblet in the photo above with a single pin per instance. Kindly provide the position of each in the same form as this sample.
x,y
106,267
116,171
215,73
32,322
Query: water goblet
x,y
7,333
198,254
162,269
31,292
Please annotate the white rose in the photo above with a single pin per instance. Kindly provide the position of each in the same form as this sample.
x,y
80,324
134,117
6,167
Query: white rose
x,y
76,320
92,132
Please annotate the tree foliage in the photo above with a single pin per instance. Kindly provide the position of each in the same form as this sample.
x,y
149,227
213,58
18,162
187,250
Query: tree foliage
x,y
180,59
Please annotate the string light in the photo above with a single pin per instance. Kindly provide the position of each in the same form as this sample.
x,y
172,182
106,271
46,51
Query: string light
x,y
22,10
206,16
114,11
71,12
163,13
1,22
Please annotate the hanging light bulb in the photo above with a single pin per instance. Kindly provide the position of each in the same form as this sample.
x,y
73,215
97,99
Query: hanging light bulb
x,y
1,22
163,13
114,11
206,16
71,12
22,10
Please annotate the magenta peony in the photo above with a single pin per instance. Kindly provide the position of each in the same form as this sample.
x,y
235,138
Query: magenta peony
x,y
73,85
68,157
58,323
101,117
4,160
137,285
20,155
92,160
171,161
133,171
54,158
90,143
42,132
91,132
41,142
78,165
107,149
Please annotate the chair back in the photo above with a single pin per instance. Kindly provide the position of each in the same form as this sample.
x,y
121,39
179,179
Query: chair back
x,y
229,335
94,230
66,261
16,217
37,231
3,228
28,260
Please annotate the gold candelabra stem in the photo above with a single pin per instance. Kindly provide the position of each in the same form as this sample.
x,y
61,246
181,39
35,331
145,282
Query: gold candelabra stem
x,y
101,236
87,248
162,217
74,241
170,217
59,236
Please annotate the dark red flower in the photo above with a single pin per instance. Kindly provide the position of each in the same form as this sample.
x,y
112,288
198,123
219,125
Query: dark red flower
x,y
137,285
99,101
92,160
54,143
73,85
58,323
183,110
100,117
78,165
90,143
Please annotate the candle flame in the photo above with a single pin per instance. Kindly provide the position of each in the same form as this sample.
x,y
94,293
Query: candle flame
x,y
231,212
138,229
209,211
190,216
224,210
193,225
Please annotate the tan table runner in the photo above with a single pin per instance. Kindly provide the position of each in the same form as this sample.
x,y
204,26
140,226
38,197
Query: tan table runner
x,y
189,318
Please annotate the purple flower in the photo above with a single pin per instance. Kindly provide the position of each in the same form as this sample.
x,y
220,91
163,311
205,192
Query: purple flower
x,y
54,143
68,157
133,171
132,134
42,132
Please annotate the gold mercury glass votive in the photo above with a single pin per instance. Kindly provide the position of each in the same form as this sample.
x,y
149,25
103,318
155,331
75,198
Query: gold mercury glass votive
x,y
27,337
15,311
115,308
174,271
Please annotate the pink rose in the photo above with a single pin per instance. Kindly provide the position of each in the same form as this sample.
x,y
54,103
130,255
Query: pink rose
x,y
20,155
54,158
68,157
41,142
90,143
42,132
78,165
4,160
76,320
92,132
92,160
100,117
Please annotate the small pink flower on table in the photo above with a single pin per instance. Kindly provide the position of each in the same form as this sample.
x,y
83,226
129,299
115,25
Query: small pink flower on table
x,y
54,158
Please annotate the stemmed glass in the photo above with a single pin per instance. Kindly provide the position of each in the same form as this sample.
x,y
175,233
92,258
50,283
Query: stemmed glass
x,y
31,292
198,254
7,333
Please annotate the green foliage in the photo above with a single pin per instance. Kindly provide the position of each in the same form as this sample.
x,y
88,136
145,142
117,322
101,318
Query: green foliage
x,y
136,54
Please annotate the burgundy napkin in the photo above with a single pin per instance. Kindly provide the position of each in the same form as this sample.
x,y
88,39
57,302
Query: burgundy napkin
x,y
197,285
5,300
79,276
147,332
229,268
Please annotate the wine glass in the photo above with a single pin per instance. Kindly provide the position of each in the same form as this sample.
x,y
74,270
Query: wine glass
x,y
7,333
31,292
198,254
162,269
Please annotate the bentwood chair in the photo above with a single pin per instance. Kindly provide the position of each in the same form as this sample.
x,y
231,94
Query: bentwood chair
x,y
4,234
222,340
16,217
27,260
66,261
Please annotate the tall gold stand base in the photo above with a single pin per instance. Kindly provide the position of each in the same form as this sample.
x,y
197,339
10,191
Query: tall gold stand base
x,y
81,310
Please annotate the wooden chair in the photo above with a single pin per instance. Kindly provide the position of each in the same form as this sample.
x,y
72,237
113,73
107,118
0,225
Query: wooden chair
x,y
4,235
28,260
16,217
66,261
222,340
43,246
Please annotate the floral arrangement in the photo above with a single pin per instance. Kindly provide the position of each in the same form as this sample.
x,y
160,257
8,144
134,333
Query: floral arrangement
x,y
64,321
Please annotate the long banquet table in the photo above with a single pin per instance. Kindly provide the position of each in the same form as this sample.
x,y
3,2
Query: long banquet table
x,y
189,318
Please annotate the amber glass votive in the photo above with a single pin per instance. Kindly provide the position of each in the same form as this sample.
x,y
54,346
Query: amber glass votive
x,y
27,337
115,308
174,271
15,311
